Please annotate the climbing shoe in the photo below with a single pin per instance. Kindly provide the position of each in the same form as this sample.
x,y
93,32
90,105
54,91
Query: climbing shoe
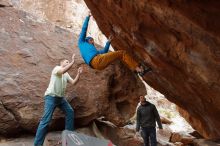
x,y
145,70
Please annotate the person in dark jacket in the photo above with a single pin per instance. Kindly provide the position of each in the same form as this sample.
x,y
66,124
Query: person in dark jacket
x,y
100,59
147,116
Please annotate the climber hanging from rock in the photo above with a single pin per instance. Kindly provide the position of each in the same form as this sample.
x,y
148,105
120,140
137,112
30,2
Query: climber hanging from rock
x,y
100,59
54,97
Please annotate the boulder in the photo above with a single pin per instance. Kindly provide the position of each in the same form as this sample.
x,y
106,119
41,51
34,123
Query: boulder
x,y
163,136
180,41
120,136
182,137
165,120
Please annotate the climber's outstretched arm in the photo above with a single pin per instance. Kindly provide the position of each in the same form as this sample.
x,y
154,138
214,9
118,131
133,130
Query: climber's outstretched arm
x,y
84,29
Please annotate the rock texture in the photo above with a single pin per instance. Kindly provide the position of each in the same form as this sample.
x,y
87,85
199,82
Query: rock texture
x,y
204,142
183,138
180,40
29,49
65,13
24,141
120,136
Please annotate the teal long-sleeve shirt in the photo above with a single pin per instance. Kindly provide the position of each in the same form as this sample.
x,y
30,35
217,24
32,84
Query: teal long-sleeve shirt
x,y
88,51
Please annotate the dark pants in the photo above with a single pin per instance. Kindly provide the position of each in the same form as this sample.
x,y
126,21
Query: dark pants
x,y
149,133
50,104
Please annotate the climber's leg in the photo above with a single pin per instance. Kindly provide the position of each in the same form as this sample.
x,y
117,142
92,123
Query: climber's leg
x,y
101,61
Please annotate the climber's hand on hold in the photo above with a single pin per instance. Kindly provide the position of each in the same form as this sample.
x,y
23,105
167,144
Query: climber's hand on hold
x,y
110,38
89,14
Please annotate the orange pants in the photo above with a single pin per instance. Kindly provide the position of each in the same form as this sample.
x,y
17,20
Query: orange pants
x,y
101,61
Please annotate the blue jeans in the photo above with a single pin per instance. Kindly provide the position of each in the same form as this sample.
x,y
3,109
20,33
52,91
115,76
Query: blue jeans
x,y
50,104
149,133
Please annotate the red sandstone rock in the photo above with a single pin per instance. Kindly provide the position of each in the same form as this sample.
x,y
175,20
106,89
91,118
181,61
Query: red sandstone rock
x,y
183,138
119,136
165,120
203,142
180,41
